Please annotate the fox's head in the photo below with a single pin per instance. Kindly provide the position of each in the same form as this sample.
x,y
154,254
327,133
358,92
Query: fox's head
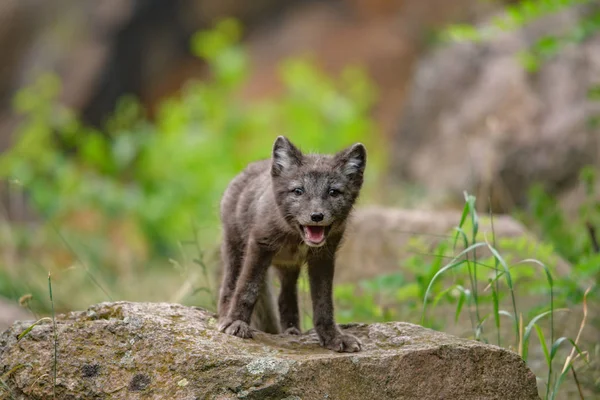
x,y
314,192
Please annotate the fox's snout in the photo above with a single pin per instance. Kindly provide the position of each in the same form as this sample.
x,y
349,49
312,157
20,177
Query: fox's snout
x,y
316,217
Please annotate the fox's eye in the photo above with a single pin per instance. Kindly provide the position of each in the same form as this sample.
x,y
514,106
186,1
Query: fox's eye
x,y
334,192
298,191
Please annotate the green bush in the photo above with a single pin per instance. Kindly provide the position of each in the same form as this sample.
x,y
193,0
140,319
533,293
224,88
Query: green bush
x,y
169,173
575,238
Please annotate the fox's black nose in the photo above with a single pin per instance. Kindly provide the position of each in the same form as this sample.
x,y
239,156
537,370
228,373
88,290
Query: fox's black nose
x,y
316,217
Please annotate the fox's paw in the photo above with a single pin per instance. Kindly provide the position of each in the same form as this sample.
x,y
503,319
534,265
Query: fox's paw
x,y
235,328
344,344
292,331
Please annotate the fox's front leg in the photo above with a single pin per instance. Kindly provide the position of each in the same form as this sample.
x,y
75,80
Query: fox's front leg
x,y
256,262
320,273
232,257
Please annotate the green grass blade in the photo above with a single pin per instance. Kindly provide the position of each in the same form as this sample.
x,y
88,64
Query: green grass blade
x,y
55,361
530,327
463,235
559,381
474,216
454,263
560,341
551,285
26,331
509,283
463,218
496,283
472,276
442,294
542,340
504,265
479,328
553,351
496,309
464,294
15,368
5,387
556,345
474,231
496,277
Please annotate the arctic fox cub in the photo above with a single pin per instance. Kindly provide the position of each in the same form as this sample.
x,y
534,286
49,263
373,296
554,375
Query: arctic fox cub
x,y
285,212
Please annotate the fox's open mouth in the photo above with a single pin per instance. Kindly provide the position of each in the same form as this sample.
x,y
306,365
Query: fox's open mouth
x,y
314,235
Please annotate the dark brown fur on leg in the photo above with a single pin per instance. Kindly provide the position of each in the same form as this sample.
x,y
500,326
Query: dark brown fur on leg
x,y
320,272
256,261
232,258
288,300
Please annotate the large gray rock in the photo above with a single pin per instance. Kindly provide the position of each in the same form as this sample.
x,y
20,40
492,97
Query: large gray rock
x,y
164,351
476,120
378,239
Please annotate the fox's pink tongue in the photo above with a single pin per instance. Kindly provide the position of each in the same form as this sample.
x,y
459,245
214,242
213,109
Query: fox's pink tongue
x,y
315,234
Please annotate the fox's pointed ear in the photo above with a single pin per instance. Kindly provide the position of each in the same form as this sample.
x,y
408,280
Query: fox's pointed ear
x,y
285,156
353,160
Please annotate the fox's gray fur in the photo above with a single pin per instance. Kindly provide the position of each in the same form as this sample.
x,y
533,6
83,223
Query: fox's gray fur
x,y
285,212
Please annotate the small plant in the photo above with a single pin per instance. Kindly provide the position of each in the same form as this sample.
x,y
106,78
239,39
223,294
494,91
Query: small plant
x,y
492,284
500,280
5,388
55,334
574,238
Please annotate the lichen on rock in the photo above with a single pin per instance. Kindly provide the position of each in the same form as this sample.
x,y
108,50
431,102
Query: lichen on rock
x,y
128,350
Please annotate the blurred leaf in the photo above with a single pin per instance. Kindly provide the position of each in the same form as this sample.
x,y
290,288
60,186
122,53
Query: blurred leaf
x,y
593,93
210,44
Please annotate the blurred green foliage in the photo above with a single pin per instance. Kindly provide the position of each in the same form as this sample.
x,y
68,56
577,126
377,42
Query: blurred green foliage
x,y
514,16
576,238
130,210
548,46
560,237
401,295
522,13
168,174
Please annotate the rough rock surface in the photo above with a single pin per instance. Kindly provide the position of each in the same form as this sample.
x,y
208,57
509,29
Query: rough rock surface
x,y
164,351
476,120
